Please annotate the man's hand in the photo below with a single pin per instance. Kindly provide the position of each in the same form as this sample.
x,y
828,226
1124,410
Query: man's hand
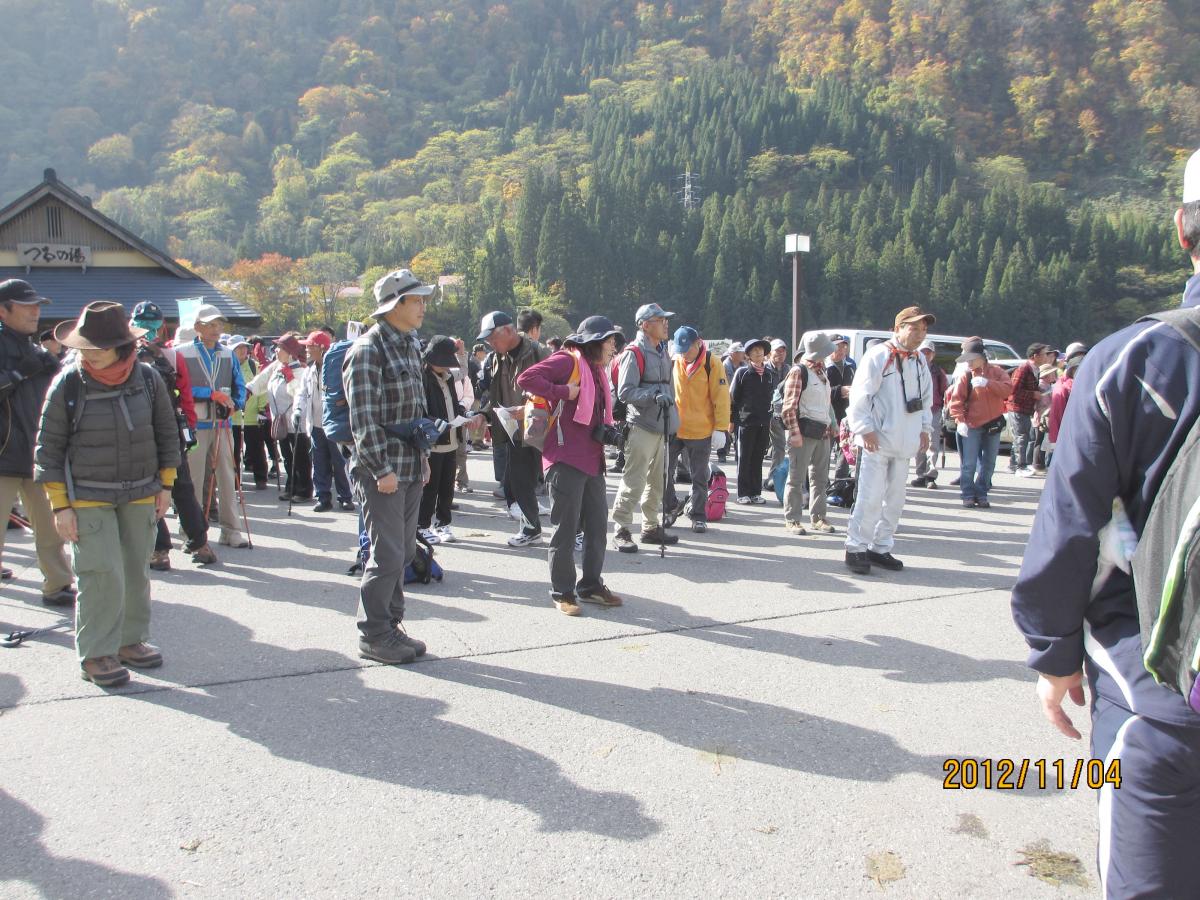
x,y
845,391
795,438
1051,689
223,399
425,471
67,525
162,502
664,400
572,391
924,441
870,441
388,484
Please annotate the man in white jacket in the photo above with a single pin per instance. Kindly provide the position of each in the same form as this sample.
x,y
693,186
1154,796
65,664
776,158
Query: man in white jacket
x,y
891,418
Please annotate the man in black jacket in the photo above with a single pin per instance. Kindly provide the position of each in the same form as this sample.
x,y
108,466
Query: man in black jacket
x,y
25,373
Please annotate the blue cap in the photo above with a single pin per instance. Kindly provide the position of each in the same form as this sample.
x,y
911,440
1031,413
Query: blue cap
x,y
685,336
652,311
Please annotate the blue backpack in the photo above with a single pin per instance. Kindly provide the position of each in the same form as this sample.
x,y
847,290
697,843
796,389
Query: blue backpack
x,y
335,417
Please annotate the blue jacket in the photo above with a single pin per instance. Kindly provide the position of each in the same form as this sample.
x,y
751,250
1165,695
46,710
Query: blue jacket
x,y
1132,406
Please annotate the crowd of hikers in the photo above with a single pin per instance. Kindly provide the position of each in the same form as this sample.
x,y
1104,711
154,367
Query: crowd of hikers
x,y
111,422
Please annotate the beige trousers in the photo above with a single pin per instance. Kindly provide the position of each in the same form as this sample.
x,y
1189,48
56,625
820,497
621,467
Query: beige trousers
x,y
51,553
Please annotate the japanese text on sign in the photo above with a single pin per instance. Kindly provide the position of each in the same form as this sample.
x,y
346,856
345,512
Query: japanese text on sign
x,y
54,255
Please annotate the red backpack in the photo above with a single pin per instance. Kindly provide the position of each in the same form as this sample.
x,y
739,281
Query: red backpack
x,y
718,496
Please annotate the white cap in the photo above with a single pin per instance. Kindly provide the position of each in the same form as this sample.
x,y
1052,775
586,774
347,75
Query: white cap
x,y
928,345
1191,179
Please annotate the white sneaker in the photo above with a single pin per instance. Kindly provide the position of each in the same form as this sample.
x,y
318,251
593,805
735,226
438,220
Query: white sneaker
x,y
430,535
579,542
445,535
1026,473
758,501
514,512
521,539
543,509
745,501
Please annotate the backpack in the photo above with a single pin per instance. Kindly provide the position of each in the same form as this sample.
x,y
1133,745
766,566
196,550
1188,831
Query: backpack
x,y
620,407
423,568
335,415
74,393
540,418
779,476
1165,578
718,495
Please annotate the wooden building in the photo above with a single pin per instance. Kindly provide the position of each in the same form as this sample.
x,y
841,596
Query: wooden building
x,y
73,254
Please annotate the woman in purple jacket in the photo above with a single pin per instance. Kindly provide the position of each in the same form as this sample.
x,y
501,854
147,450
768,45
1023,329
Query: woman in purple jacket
x,y
577,377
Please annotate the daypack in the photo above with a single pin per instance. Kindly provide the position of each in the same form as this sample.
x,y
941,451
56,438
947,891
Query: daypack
x,y
335,415
423,568
620,407
718,495
73,393
541,419
779,477
1165,577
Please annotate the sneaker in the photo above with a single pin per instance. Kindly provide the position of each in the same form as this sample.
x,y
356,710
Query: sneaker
x,y
204,556
1036,473
6,573
699,527
497,494
1025,473
744,501
858,563
623,541
140,655
418,647
617,467
566,604
62,597
160,560
676,512
429,535
104,671
388,649
760,500
983,503
466,489
323,506
445,535
658,535
919,481
579,542
601,596
822,527
521,539
356,569
886,560
347,506
795,528
234,539
514,512
970,503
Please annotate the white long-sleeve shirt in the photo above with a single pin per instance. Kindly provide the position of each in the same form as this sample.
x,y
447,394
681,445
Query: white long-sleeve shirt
x,y
877,400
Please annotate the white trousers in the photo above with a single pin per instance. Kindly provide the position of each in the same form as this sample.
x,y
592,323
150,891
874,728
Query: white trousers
x,y
880,501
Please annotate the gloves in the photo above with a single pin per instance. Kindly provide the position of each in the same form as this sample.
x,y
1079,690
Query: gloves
x,y
420,434
664,400
719,440
962,429
222,398
979,382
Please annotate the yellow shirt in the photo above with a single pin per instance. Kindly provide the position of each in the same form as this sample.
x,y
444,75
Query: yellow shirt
x,y
57,492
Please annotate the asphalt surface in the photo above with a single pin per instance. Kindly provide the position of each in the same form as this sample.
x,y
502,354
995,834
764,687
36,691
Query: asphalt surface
x,y
754,721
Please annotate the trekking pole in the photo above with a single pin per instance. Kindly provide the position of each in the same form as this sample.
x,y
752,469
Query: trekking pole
x,y
292,473
237,486
662,525
16,638
210,474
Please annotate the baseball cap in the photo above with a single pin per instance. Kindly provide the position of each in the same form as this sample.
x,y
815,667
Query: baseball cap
x,y
209,313
315,337
651,311
491,322
15,290
237,340
928,345
684,337
914,314
1037,348
1191,179
839,339
736,347
147,312
778,344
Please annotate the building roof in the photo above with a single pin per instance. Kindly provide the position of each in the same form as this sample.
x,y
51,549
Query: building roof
x,y
70,290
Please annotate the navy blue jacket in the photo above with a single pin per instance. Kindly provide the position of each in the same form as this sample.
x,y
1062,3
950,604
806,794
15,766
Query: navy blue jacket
x,y
1133,404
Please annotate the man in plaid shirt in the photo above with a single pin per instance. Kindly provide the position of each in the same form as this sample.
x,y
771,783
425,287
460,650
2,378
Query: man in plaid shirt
x,y
384,386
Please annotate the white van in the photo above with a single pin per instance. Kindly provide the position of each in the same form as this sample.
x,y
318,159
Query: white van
x,y
949,346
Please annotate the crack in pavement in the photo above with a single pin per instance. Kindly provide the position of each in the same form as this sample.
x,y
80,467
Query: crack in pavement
x,y
645,632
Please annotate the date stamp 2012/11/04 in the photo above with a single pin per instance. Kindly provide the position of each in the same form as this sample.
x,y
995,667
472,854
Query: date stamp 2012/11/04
x,y
1015,775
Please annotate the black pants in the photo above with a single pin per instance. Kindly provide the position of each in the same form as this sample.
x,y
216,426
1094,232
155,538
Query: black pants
x,y
578,503
521,478
249,439
298,460
187,507
439,492
754,440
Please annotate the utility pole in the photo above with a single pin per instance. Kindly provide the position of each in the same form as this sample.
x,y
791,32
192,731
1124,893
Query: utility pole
x,y
794,245
689,194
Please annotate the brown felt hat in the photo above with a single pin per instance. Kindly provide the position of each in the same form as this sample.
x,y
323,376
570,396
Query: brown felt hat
x,y
101,326
914,314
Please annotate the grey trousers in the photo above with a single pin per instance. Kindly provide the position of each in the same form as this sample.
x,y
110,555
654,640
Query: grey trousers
x,y
391,523
577,501
696,453
926,459
810,459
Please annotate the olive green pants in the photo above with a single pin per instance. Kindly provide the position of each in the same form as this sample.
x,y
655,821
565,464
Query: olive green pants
x,y
112,559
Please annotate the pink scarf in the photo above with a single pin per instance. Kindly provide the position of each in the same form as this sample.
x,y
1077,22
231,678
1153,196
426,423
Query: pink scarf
x,y
586,402
694,366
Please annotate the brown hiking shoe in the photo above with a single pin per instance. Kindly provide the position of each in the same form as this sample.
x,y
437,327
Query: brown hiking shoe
x,y
204,556
601,596
160,560
140,655
566,604
623,541
104,671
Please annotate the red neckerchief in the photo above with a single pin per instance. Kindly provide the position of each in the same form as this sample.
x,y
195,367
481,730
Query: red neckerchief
x,y
817,366
694,366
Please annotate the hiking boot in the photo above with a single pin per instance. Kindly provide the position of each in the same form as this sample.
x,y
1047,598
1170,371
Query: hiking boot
x,y
601,596
795,528
204,556
6,573
566,604
623,541
389,650
858,563
699,527
347,506
676,512
356,568
140,655
104,671
62,597
522,539
657,535
418,647
160,560
885,560
323,506
498,495
822,527
285,497
260,485
982,503
970,504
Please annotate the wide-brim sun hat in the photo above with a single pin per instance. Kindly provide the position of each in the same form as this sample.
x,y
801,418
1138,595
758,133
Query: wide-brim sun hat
x,y
757,342
394,287
594,329
816,345
102,325
441,352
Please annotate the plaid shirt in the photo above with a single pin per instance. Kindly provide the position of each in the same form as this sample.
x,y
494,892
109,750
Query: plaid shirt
x,y
1026,389
384,386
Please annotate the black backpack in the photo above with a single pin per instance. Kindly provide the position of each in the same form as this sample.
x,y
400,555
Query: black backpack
x,y
1165,576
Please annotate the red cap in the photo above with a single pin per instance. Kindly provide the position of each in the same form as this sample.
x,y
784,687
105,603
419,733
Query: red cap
x,y
318,337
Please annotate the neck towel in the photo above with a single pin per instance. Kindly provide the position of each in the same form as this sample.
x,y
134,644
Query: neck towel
x,y
586,401
112,375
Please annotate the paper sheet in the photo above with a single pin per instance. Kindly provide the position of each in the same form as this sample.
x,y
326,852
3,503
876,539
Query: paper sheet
x,y
506,419
459,421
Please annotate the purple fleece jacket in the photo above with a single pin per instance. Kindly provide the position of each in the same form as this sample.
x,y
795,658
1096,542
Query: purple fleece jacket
x,y
549,379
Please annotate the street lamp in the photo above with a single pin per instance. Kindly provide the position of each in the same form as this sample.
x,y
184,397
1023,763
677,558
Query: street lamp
x,y
794,245
304,292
